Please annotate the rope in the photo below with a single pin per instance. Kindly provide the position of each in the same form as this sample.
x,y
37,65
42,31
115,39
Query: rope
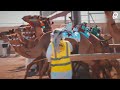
x,y
39,60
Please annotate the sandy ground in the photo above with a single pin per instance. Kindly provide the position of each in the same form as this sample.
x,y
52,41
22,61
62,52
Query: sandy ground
x,y
14,68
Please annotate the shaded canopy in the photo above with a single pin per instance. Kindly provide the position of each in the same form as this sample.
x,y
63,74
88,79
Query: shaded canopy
x,y
58,14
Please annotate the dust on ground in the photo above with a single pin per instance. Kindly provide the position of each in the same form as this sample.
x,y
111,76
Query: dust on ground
x,y
13,67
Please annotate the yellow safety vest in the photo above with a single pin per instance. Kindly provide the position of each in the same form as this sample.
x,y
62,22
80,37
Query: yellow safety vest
x,y
60,62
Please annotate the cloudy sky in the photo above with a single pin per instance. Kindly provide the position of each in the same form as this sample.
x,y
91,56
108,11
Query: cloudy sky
x,y
13,18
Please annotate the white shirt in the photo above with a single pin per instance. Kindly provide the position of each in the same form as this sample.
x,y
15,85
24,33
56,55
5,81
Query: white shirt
x,y
68,27
49,51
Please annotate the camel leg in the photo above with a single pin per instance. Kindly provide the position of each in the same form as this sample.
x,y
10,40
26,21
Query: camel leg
x,y
43,69
75,66
95,71
108,74
26,74
84,70
49,73
41,64
28,68
48,69
116,65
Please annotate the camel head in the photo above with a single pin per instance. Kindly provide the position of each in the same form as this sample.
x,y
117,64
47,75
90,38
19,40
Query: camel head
x,y
34,21
37,21
109,15
47,24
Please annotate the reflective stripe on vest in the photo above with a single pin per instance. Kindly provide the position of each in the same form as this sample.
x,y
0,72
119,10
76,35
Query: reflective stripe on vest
x,y
60,64
59,58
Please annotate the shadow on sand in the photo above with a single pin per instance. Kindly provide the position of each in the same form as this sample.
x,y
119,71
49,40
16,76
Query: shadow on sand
x,y
18,69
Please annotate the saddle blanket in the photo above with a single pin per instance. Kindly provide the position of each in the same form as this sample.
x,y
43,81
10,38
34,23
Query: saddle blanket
x,y
71,34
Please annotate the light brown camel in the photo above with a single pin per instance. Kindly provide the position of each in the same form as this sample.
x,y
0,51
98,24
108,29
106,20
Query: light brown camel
x,y
100,46
112,27
26,48
115,33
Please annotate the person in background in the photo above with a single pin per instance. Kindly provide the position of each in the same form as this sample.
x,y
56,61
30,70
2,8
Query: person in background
x,y
85,30
95,31
58,56
4,48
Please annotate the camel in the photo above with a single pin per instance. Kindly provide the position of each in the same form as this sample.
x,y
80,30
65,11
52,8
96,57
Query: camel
x,y
28,51
114,32
112,27
101,46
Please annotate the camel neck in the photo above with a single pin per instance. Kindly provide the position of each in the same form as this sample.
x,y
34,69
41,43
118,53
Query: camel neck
x,y
39,32
111,22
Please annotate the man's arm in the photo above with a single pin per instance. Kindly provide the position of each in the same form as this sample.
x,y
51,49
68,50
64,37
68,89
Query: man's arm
x,y
71,47
49,52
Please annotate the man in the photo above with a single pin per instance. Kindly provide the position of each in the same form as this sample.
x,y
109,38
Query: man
x,y
86,30
4,50
58,56
96,31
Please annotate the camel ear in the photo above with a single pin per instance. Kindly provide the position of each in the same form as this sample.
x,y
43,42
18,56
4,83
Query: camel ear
x,y
13,31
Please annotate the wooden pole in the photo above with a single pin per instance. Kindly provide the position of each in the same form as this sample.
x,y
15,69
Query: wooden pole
x,y
114,45
95,56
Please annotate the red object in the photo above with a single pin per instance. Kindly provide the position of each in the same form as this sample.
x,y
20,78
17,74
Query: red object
x,y
31,23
